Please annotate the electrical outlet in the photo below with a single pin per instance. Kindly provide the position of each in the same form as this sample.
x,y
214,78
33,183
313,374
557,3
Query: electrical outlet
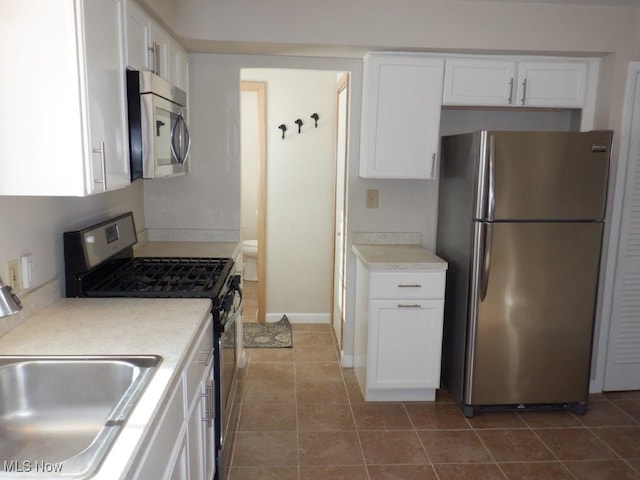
x,y
13,276
372,198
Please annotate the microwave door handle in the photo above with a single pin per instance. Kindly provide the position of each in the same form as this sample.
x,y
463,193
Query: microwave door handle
x,y
188,136
172,137
180,160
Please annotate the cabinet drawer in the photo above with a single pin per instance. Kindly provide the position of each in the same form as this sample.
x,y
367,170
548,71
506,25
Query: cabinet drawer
x,y
407,285
200,360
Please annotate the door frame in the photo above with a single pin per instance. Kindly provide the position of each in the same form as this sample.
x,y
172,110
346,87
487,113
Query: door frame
x,y
617,191
343,85
260,88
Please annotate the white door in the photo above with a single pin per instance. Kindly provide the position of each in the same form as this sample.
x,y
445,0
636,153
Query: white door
x,y
340,216
622,370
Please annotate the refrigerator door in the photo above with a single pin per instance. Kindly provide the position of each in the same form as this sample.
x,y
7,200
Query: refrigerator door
x,y
530,338
545,175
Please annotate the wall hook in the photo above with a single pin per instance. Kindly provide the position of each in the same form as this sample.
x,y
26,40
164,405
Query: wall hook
x,y
283,127
299,123
315,116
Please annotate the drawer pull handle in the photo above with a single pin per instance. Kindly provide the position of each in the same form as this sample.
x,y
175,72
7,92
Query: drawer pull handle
x,y
415,285
403,305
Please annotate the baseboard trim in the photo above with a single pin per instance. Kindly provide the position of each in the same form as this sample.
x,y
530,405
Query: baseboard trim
x,y
299,317
346,361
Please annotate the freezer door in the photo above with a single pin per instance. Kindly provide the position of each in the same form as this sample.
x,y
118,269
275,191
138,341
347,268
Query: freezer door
x,y
530,341
546,175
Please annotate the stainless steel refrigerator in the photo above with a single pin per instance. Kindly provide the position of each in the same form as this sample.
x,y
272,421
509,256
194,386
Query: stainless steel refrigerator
x,y
520,221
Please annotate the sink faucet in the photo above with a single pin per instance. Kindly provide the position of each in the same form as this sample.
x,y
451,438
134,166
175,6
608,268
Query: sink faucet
x,y
9,302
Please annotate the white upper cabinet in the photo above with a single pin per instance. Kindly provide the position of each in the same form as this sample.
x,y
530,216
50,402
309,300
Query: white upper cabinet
x,y
150,47
67,135
138,34
401,116
485,81
552,84
479,82
177,65
159,48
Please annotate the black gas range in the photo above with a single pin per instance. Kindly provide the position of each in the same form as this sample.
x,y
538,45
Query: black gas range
x,y
99,262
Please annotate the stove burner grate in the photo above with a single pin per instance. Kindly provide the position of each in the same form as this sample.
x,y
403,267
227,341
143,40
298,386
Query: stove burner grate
x,y
160,276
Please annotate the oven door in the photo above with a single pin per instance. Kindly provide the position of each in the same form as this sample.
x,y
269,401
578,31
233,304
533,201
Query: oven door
x,y
165,137
226,418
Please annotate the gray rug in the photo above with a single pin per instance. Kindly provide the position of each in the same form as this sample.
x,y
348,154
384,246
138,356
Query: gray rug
x,y
267,335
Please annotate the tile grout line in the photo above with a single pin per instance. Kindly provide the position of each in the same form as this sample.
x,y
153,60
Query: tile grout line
x,y
353,417
415,430
562,462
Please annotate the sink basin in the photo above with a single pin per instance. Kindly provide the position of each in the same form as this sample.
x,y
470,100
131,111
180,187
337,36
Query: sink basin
x,y
60,415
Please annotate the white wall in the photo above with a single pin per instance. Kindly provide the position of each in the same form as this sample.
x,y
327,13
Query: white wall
x,y
437,25
300,177
35,225
249,164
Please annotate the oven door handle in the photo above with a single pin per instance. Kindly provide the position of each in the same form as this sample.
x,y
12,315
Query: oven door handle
x,y
233,317
229,317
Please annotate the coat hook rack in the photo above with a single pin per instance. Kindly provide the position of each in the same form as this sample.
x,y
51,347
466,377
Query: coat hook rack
x,y
299,123
283,127
315,116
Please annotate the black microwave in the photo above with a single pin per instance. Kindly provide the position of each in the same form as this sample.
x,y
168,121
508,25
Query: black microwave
x,y
159,140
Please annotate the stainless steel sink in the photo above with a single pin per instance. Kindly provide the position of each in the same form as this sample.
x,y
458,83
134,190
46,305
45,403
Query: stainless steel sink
x,y
60,415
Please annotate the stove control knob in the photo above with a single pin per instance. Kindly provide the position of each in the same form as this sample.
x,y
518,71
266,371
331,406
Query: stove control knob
x,y
90,239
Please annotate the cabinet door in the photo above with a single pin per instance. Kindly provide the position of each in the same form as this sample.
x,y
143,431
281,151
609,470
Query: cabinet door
x,y
471,81
179,470
209,433
552,84
173,60
401,116
108,167
405,342
159,45
138,38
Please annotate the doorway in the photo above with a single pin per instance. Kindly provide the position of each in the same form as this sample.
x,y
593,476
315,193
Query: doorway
x,y
300,194
253,115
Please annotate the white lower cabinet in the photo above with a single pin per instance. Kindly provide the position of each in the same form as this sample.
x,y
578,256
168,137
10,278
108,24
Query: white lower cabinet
x,y
398,342
182,444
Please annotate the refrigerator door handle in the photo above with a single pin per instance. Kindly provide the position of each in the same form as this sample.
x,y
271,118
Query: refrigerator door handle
x,y
491,207
486,259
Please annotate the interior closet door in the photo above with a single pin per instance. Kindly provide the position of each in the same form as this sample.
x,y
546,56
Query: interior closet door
x,y
622,369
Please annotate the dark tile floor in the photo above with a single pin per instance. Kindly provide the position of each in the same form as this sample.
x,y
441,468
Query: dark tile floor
x,y
303,418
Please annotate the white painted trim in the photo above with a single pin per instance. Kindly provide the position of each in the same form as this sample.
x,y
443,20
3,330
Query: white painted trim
x,y
242,360
589,109
617,193
300,317
346,361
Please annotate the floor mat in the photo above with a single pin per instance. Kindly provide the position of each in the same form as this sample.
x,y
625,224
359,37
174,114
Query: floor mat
x,y
268,335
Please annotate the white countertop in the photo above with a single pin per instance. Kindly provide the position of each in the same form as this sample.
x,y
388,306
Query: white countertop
x,y
80,326
398,257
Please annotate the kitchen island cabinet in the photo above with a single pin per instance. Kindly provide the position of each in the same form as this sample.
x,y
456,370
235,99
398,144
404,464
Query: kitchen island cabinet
x,y
171,328
63,113
399,315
